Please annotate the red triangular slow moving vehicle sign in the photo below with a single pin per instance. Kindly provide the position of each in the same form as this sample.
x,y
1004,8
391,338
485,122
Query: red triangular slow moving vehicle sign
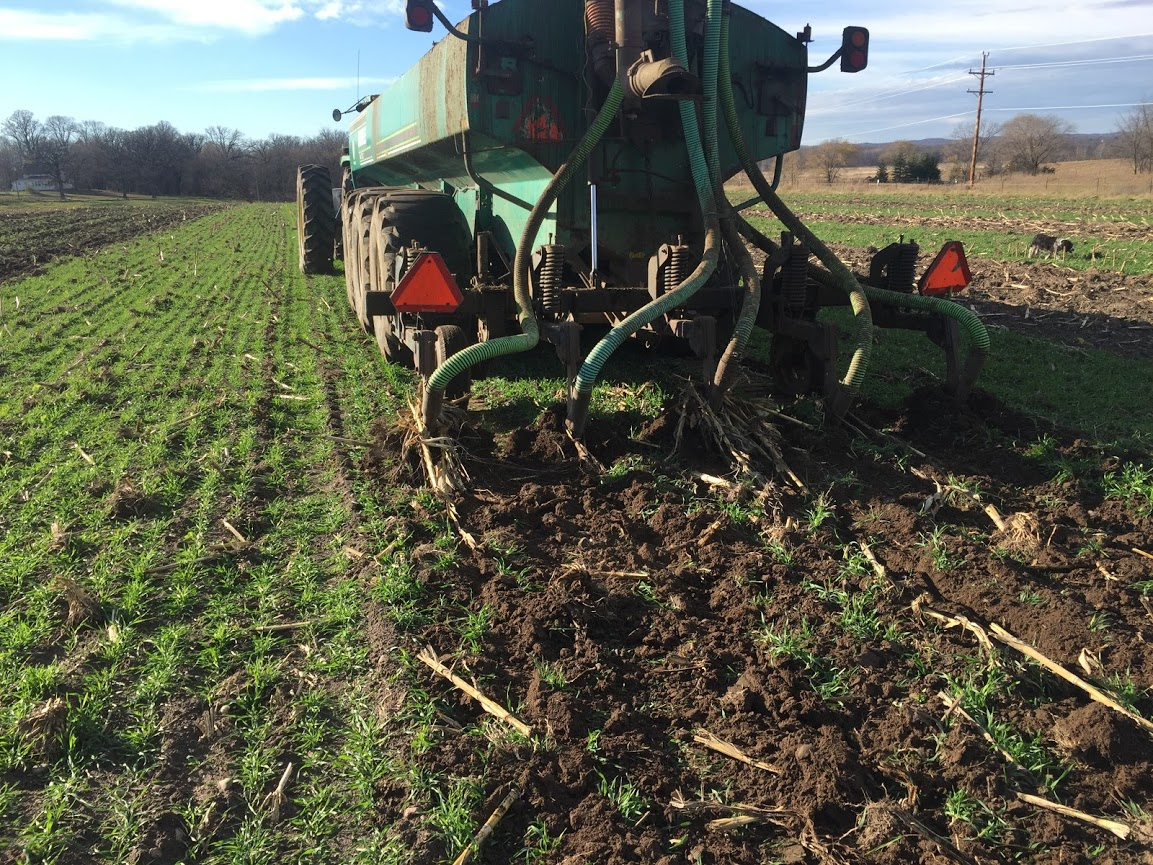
x,y
949,273
427,287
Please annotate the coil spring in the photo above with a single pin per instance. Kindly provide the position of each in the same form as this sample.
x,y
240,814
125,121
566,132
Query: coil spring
x,y
549,276
676,268
795,279
903,267
599,18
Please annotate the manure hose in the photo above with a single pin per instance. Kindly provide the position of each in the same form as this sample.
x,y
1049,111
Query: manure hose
x,y
842,277
703,180
727,365
530,329
968,320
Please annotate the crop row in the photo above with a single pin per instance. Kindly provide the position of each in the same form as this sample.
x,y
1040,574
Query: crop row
x,y
170,504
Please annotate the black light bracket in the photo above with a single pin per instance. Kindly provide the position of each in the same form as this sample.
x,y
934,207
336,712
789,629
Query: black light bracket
x,y
357,107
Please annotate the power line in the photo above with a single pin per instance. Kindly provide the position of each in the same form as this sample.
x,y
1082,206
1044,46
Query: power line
x,y
1029,48
884,96
1058,64
913,123
1076,42
1075,107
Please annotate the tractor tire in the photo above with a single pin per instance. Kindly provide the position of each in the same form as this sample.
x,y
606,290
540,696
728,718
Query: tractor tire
x,y
385,246
315,219
399,217
349,244
433,220
362,263
449,340
345,191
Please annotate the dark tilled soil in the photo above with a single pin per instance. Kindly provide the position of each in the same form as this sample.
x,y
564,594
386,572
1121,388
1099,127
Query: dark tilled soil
x,y
29,240
634,612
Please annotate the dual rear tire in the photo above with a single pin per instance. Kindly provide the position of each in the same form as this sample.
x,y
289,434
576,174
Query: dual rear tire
x,y
380,223
315,219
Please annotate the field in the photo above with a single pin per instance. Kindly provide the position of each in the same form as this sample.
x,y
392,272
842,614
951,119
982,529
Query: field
x,y
35,229
224,586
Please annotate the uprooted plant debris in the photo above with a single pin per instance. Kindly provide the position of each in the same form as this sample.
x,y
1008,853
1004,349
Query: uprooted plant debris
x,y
710,674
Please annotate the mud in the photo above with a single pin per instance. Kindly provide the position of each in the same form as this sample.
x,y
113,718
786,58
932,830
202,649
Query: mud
x,y
635,610
29,241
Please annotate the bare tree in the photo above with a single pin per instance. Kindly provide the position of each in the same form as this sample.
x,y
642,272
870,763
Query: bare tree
x,y
228,144
1031,140
56,148
10,163
1135,138
793,168
160,159
833,155
222,161
26,133
960,149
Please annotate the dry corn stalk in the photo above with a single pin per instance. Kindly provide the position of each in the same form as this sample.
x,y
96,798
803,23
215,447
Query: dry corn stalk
x,y
1119,829
429,658
1072,678
490,824
1006,638
721,746
742,429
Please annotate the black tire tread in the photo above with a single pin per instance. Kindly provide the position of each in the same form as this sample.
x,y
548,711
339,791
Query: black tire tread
x,y
316,219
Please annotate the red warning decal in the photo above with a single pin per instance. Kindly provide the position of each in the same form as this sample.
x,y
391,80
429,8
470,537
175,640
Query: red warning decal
x,y
949,272
540,121
427,287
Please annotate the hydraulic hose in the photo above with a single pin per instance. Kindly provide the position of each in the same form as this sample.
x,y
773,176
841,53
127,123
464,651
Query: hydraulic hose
x,y
842,277
750,306
710,70
591,367
968,320
530,330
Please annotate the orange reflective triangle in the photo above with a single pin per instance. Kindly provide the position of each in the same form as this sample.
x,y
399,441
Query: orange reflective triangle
x,y
427,287
949,273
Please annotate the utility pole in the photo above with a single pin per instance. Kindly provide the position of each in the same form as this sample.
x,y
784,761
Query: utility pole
x,y
980,91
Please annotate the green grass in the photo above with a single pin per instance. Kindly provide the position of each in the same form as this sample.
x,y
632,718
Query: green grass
x,y
138,423
1083,389
148,401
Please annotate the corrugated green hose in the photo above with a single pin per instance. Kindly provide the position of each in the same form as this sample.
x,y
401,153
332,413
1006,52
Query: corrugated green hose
x,y
530,335
843,277
710,69
750,306
596,359
969,321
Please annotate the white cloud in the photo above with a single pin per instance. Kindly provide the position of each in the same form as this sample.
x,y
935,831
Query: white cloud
x,y
24,25
183,20
248,16
356,11
267,85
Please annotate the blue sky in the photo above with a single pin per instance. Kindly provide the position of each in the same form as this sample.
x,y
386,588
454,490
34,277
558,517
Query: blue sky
x,y
265,66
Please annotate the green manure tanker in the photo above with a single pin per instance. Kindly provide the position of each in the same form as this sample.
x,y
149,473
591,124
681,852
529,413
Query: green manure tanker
x,y
552,167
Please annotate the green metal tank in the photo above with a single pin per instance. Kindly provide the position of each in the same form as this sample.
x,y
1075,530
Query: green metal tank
x,y
553,164
491,121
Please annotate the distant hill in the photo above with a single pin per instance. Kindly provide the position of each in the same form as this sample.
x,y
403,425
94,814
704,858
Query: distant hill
x,y
1078,146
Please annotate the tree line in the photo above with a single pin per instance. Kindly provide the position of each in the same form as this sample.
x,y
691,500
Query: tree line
x,y
160,159
1026,144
